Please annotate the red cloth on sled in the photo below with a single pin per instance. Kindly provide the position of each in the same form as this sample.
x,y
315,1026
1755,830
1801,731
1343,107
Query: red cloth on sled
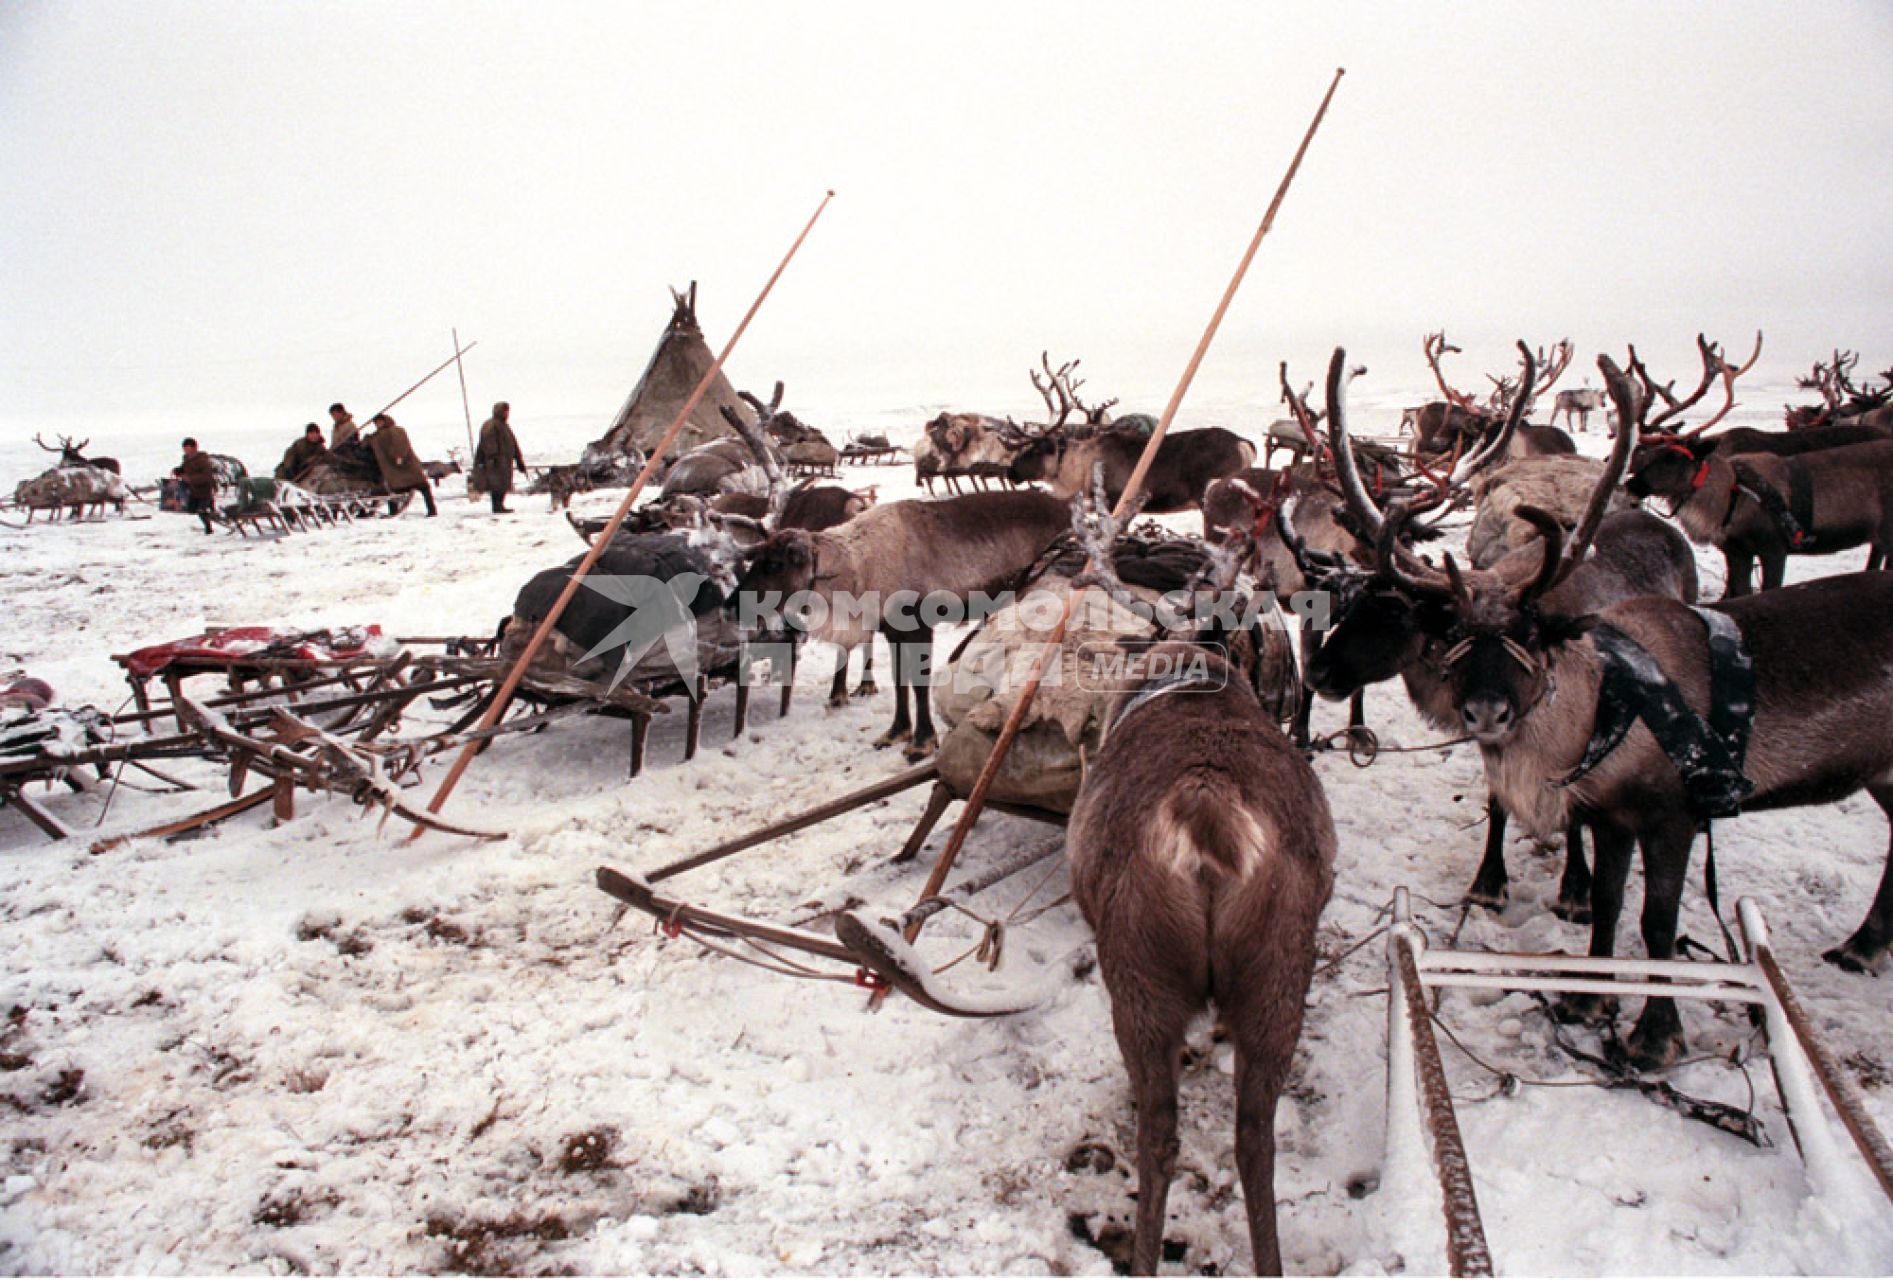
x,y
238,645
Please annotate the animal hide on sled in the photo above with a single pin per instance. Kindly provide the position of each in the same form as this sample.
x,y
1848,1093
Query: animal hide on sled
x,y
1096,662
652,601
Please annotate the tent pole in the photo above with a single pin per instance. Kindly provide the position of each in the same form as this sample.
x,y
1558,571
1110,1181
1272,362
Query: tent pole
x,y
465,405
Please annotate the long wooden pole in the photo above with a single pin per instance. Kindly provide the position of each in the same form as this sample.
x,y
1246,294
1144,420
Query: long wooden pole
x,y
466,406
511,684
460,351
983,783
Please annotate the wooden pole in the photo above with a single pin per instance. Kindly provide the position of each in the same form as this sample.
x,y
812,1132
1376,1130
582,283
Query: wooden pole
x,y
460,351
511,684
466,406
996,757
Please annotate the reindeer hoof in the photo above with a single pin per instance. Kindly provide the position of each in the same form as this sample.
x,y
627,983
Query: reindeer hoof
x,y
1845,957
838,703
1575,912
892,736
918,751
1583,1010
1491,899
1653,1047
866,689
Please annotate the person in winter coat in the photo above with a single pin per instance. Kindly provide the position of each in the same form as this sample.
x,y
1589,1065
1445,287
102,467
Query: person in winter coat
x,y
345,428
400,469
303,454
496,457
199,475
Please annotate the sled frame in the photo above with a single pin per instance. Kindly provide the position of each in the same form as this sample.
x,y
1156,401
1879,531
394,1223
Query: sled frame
x,y
1420,1115
875,946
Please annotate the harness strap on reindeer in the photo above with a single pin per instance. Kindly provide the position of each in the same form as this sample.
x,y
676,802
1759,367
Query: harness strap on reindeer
x,y
1193,677
1794,515
1708,754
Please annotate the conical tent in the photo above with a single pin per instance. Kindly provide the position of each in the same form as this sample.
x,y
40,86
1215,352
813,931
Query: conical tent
x,y
679,363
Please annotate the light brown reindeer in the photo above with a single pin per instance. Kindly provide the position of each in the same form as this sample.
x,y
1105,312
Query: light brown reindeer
x,y
1532,690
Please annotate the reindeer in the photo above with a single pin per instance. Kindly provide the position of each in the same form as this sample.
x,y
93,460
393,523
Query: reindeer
x,y
70,455
1459,420
1578,406
1813,731
1378,632
1202,854
1066,455
1327,533
1842,403
1818,494
872,572
1187,462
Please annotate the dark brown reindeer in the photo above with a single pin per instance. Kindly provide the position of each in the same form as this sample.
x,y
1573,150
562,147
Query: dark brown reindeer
x,y
70,454
1381,631
1459,421
1202,854
1323,539
1842,403
871,573
1819,656
1187,462
1800,493
1066,456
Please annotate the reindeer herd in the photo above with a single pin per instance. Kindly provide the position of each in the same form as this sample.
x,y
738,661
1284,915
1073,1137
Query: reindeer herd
x,y
1569,641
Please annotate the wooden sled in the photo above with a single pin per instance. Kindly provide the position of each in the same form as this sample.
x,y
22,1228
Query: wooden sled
x,y
1422,1128
870,950
344,708
635,700
859,453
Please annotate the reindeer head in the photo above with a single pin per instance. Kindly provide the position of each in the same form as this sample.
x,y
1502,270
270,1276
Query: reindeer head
x,y
1668,463
1403,611
1037,457
1484,633
785,562
69,453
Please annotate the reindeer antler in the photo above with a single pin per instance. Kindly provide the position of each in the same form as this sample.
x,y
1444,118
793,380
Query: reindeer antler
x,y
1058,382
1434,345
756,436
1346,469
1496,444
1304,417
1711,366
1097,530
1729,374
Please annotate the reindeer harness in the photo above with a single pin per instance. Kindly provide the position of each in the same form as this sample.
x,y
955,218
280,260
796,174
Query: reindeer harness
x,y
1794,515
1708,754
1174,682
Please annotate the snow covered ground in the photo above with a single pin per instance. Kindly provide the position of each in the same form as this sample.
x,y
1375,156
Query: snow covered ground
x,y
317,1048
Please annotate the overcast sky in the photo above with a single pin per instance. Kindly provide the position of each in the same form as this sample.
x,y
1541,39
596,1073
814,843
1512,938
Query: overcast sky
x,y
224,212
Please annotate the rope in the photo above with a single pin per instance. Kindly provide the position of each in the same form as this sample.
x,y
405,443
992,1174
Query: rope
x,y
774,964
991,946
1363,745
